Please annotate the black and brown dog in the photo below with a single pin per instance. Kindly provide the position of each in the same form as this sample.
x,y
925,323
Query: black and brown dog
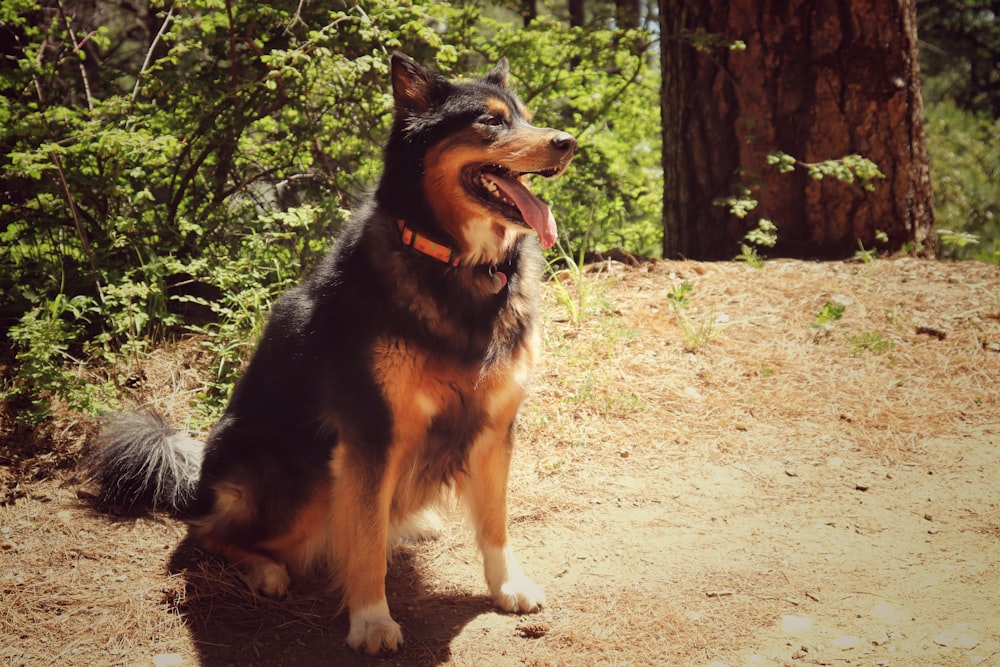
x,y
392,373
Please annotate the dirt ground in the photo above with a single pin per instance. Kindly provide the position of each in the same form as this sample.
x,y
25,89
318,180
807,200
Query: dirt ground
x,y
741,482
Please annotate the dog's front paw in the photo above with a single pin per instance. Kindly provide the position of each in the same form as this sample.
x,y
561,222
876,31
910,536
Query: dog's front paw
x,y
373,630
520,595
510,587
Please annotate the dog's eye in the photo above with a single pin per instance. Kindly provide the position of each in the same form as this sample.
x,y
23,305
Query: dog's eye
x,y
492,119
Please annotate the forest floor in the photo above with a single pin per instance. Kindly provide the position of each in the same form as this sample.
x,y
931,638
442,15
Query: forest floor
x,y
748,480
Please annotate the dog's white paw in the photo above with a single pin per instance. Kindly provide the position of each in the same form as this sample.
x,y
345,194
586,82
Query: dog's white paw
x,y
373,630
510,588
519,595
268,578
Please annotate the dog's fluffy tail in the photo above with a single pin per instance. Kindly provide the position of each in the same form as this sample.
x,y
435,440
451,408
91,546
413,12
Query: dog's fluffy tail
x,y
141,462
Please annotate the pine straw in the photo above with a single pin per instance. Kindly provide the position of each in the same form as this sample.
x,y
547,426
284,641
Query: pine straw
x,y
619,408
767,369
67,574
622,396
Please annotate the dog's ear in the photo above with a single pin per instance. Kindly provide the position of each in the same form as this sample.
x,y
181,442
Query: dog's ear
x,y
500,74
413,88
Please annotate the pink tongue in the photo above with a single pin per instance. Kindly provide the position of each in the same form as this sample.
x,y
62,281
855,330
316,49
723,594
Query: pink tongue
x,y
533,210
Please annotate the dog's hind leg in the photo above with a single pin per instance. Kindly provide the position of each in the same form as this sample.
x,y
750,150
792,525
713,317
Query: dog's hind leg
x,y
484,489
232,507
264,575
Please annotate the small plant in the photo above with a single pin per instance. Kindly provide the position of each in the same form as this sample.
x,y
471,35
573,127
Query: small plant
x,y
573,270
765,234
830,312
871,341
750,256
864,255
678,296
564,269
867,256
696,334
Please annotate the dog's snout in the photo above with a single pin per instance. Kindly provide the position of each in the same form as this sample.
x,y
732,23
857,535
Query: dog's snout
x,y
564,142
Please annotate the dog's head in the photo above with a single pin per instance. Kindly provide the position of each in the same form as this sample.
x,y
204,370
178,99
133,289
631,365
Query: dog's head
x,y
458,157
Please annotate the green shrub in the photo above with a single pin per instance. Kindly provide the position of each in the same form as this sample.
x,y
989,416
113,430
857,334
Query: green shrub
x,y
965,173
226,152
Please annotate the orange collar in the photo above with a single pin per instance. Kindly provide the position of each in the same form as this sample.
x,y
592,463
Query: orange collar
x,y
498,279
425,245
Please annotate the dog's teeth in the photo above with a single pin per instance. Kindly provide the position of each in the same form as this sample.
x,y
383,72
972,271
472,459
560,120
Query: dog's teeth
x,y
494,190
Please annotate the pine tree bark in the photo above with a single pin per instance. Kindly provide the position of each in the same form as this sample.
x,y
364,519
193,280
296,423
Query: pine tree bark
x,y
818,80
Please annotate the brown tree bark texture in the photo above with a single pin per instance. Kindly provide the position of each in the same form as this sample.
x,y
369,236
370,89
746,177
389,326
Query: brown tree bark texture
x,y
818,80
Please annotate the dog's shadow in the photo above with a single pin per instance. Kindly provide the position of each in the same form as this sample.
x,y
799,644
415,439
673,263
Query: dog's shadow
x,y
230,625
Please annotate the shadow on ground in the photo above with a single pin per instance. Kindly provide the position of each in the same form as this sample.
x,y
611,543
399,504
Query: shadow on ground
x,y
231,626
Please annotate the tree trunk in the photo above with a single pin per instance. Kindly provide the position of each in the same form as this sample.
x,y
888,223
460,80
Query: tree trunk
x,y
577,14
627,13
819,81
529,11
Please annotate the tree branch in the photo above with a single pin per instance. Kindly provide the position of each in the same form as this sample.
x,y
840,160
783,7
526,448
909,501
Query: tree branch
x,y
149,52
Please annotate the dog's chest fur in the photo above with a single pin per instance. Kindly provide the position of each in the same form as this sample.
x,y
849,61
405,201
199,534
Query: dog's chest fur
x,y
448,355
460,366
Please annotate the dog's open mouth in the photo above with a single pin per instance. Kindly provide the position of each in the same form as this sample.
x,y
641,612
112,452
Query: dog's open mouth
x,y
502,189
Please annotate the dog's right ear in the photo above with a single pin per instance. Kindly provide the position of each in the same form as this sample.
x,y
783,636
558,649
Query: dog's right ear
x,y
414,89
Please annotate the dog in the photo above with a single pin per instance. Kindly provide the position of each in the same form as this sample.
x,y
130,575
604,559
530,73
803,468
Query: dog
x,y
392,374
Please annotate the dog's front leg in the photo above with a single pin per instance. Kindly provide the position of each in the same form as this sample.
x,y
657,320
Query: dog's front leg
x,y
361,501
485,491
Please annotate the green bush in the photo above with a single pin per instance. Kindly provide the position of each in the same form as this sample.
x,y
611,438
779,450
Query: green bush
x,y
210,165
964,151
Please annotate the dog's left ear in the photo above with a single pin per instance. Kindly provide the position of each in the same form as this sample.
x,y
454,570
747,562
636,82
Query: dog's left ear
x,y
500,74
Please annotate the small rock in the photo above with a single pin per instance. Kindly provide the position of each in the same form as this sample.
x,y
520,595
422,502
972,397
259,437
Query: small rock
x,y
168,660
959,637
846,642
794,624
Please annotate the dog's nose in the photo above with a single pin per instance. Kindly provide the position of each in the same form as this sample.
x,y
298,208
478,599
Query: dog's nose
x,y
564,142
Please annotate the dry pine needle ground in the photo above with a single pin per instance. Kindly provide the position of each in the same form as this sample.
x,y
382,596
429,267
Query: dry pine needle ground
x,y
685,480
